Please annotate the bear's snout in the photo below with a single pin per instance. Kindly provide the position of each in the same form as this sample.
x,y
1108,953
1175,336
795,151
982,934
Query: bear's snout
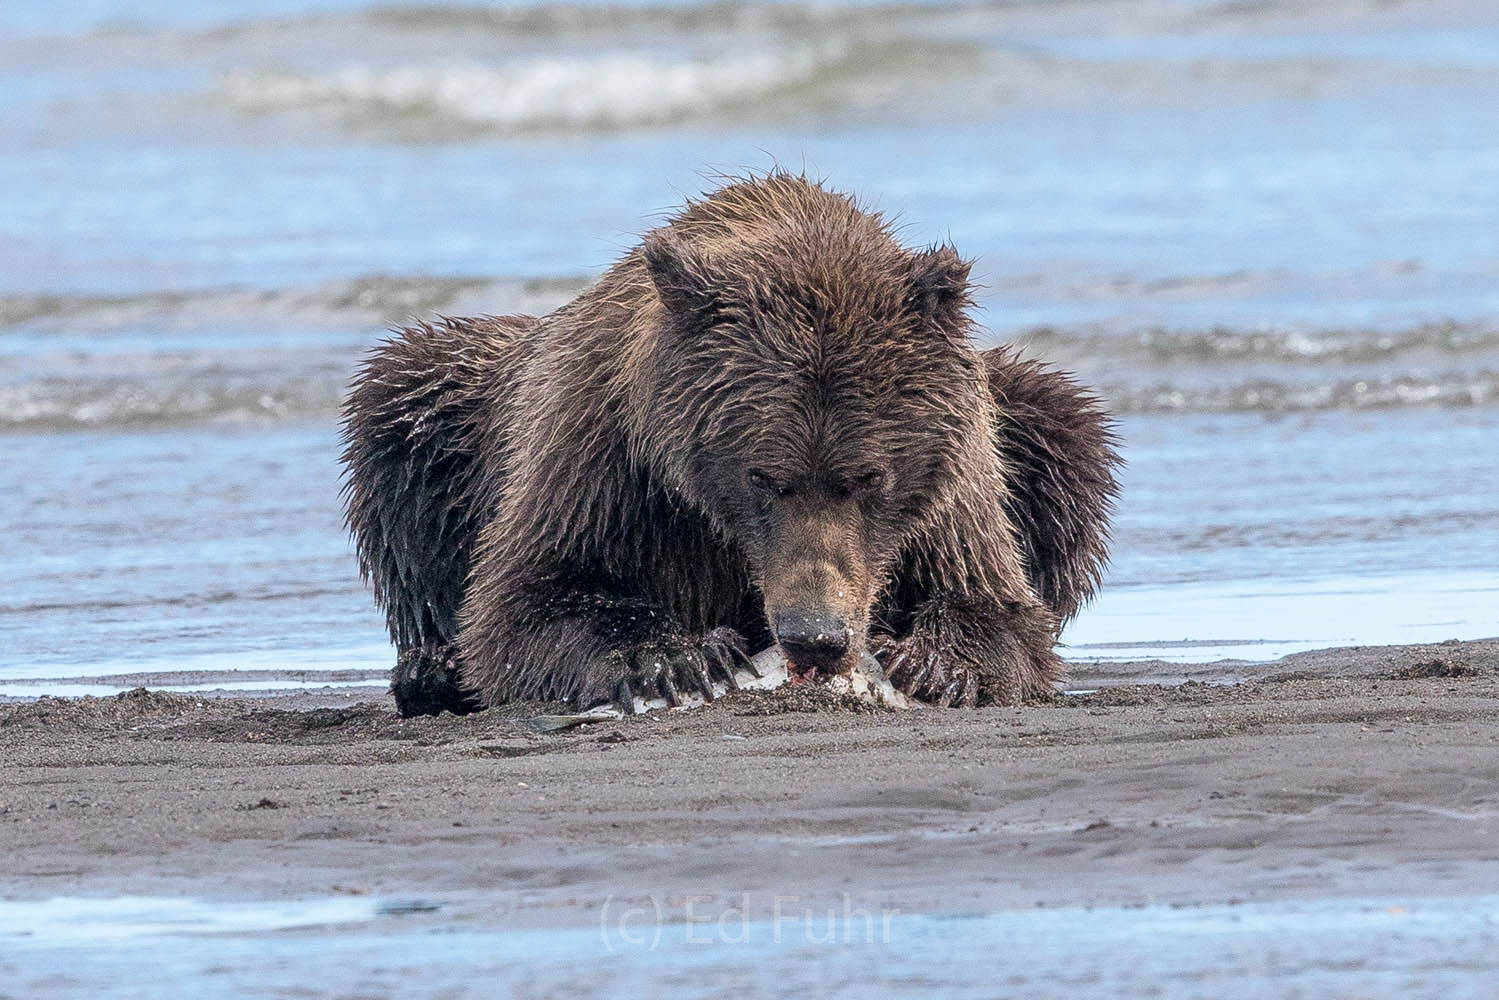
x,y
813,640
816,589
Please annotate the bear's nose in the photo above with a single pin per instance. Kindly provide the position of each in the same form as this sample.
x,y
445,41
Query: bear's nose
x,y
812,639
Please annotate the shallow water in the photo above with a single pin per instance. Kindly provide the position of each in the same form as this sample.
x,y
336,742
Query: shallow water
x,y
213,557
142,947
1265,231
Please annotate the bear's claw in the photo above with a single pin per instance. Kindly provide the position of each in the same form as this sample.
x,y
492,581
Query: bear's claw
x,y
673,670
926,674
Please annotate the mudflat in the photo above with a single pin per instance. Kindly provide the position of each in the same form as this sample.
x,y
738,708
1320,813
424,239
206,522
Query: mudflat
x,y
1342,772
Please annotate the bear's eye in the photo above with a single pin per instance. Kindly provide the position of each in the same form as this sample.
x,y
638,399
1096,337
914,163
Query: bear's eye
x,y
762,482
864,482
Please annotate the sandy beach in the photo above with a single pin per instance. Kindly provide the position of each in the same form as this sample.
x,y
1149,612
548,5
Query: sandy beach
x,y
1352,772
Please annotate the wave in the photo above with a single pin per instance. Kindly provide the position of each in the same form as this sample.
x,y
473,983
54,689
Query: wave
x,y
105,404
115,403
235,355
361,302
380,299
1271,396
550,19
613,20
413,72
542,21
270,397
846,72
1303,347
610,91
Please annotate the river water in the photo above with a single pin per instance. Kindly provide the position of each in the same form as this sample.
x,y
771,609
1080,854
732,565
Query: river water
x,y
1267,231
1265,950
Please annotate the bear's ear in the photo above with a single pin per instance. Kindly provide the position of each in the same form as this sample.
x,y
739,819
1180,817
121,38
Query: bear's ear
x,y
939,285
683,278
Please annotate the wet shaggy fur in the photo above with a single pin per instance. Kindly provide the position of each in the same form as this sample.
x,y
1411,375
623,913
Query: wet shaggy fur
x,y
768,412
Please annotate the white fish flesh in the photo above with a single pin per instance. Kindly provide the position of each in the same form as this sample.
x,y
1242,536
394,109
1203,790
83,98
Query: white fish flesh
x,y
866,682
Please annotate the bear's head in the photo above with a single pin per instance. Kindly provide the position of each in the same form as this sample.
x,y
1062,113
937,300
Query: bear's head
x,y
814,393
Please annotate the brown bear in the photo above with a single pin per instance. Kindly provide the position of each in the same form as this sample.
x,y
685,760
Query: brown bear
x,y
765,424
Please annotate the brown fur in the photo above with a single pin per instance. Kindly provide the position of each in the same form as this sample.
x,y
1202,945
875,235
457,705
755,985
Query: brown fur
x,y
765,421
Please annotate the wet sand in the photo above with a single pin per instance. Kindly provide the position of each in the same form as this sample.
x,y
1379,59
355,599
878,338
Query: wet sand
x,y
1340,773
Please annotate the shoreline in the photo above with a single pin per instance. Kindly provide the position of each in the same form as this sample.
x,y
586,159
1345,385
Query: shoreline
x,y
1342,773
338,687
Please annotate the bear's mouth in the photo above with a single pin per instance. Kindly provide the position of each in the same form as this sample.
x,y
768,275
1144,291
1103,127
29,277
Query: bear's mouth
x,y
800,675
814,673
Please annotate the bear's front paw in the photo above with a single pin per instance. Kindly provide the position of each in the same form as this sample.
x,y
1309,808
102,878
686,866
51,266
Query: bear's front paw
x,y
675,669
923,668
426,682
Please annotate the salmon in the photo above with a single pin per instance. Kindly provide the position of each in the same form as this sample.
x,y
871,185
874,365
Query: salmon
x,y
769,669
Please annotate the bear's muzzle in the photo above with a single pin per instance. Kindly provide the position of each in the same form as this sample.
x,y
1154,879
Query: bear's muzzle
x,y
813,639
